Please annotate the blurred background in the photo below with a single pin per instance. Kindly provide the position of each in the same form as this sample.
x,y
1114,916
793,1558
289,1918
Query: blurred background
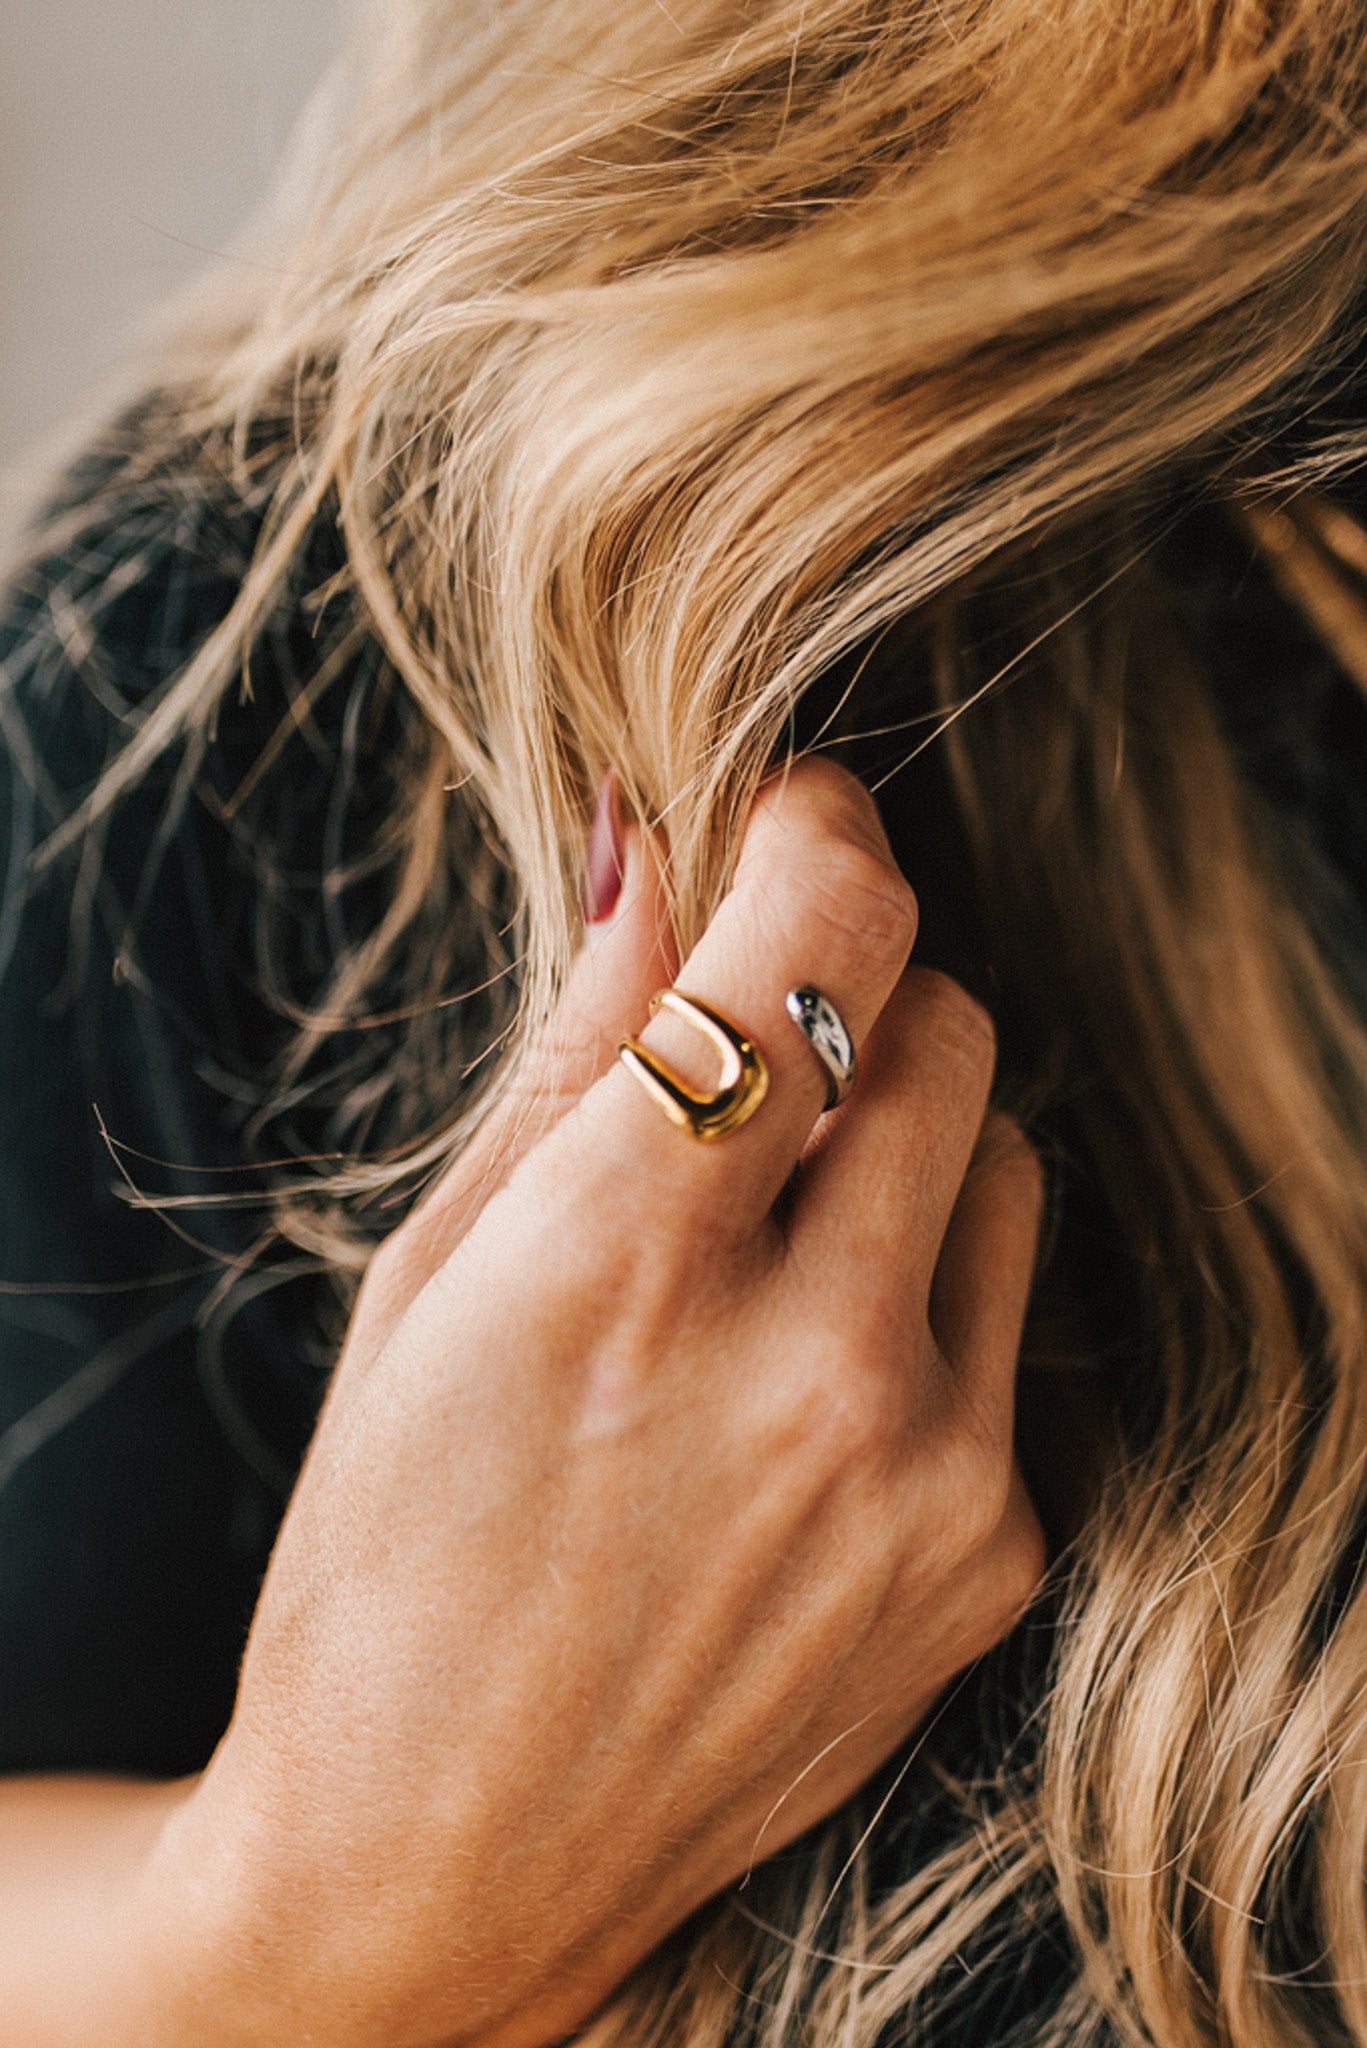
x,y
135,136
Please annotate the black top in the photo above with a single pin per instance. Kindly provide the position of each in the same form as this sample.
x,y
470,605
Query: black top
x,y
134,1520
147,1445
158,1381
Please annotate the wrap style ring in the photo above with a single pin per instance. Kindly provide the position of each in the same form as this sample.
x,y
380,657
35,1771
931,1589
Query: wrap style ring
x,y
825,1030
741,1085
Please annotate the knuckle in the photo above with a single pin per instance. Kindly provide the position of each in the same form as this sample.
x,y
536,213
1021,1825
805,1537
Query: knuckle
x,y
815,792
1005,1152
843,800
863,1418
859,894
1023,1565
955,1019
975,1488
1013,1569
832,1412
1006,1588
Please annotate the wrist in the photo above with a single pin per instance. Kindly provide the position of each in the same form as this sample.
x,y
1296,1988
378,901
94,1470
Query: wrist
x,y
209,1977
243,1923
255,1946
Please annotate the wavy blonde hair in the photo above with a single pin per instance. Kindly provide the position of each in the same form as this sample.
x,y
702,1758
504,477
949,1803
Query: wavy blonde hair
x,y
662,363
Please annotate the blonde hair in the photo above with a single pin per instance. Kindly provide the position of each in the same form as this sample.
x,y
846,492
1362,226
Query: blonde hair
x,y
662,363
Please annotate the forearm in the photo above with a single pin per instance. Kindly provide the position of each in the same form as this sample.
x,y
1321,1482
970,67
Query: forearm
x,y
91,1942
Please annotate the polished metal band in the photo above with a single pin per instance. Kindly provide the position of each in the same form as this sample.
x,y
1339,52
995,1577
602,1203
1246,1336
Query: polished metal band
x,y
825,1030
741,1085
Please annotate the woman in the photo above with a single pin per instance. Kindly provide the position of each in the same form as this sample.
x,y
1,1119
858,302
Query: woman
x,y
657,431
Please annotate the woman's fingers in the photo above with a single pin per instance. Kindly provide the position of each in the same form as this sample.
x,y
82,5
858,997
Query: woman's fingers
x,y
817,898
626,956
932,1200
886,1177
982,1283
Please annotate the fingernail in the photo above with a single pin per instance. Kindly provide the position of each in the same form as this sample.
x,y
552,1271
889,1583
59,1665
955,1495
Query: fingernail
x,y
605,863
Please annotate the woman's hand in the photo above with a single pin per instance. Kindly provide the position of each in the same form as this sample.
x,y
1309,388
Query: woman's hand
x,y
661,1488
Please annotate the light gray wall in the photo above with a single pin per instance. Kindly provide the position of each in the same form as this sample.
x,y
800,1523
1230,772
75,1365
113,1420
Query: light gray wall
x,y
134,136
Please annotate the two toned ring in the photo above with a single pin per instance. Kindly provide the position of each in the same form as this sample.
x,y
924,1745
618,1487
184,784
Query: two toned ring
x,y
743,1080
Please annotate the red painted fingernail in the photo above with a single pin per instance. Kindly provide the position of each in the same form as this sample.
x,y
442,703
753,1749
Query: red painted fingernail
x,y
606,859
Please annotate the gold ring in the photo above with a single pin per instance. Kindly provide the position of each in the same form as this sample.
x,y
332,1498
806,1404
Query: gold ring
x,y
741,1085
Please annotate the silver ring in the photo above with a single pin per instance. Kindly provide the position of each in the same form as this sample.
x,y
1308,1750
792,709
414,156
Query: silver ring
x,y
824,1029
